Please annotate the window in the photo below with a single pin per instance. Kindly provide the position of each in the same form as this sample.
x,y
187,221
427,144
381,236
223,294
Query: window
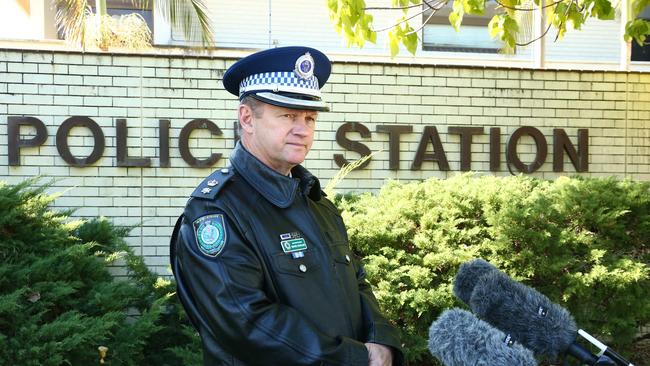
x,y
642,53
439,35
124,7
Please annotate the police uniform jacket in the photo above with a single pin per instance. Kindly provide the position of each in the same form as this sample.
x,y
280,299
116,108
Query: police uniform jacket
x,y
257,299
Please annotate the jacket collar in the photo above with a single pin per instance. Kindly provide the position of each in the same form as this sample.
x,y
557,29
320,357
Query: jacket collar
x,y
278,189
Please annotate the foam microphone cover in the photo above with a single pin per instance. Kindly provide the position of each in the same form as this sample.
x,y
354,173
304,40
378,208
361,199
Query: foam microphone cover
x,y
458,338
530,317
467,275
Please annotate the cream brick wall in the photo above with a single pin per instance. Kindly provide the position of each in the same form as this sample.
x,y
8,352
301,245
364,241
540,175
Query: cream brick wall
x,y
53,86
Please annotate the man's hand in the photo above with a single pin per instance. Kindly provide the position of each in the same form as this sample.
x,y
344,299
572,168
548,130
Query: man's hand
x,y
379,355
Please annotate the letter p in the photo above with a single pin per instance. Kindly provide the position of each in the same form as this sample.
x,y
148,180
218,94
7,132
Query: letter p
x,y
16,143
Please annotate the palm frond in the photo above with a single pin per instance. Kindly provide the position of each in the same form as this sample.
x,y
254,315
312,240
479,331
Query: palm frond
x,y
71,16
126,31
183,14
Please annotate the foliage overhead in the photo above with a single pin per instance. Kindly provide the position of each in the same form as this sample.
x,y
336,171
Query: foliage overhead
x,y
354,19
77,23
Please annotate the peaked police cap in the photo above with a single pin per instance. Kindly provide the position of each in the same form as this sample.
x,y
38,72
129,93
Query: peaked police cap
x,y
289,77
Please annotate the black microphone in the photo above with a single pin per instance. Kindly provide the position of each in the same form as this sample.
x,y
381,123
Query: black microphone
x,y
458,338
531,318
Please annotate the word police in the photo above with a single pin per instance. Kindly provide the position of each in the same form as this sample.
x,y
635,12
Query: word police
x,y
430,147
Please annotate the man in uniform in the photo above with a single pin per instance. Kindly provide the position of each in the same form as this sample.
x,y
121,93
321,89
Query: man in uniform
x,y
261,257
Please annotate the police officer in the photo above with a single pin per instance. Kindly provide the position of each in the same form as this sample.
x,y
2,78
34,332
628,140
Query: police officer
x,y
261,257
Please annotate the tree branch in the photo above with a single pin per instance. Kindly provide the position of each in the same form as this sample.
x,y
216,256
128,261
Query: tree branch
x,y
433,12
526,9
400,22
395,8
440,3
402,7
536,39
560,25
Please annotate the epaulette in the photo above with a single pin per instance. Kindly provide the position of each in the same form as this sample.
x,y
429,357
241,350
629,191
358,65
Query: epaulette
x,y
210,187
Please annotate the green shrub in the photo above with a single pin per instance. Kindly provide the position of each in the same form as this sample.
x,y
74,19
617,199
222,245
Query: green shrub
x,y
581,242
58,301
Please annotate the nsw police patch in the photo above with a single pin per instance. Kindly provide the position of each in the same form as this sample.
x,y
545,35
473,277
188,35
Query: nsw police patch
x,y
210,233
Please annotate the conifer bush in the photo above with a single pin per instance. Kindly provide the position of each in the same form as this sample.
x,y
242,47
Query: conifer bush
x,y
59,303
582,242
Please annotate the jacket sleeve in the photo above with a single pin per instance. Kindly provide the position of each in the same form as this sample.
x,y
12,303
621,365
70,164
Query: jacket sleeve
x,y
378,329
224,294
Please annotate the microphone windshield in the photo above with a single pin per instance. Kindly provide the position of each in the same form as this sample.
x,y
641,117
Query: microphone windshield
x,y
458,338
530,317
467,275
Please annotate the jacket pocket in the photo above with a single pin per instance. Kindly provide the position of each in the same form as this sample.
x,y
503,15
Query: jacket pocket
x,y
300,267
340,249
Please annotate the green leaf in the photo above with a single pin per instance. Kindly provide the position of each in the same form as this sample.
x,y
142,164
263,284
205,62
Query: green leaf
x,y
393,43
601,9
410,41
456,16
510,29
637,7
474,7
576,18
494,26
638,29
560,18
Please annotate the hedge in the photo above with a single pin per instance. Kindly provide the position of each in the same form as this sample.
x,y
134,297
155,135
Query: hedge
x,y
59,302
582,242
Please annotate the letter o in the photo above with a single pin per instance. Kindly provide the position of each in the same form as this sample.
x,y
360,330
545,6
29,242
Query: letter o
x,y
62,141
540,154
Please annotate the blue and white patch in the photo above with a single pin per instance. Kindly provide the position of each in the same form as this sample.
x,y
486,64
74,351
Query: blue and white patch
x,y
210,233
305,66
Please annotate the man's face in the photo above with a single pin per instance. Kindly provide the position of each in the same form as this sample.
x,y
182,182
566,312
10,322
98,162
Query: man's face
x,y
280,137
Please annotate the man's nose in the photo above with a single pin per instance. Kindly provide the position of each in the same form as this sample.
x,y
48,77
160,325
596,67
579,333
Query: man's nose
x,y
301,125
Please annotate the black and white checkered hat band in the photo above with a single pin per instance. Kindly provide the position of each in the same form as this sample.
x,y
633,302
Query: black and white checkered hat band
x,y
280,81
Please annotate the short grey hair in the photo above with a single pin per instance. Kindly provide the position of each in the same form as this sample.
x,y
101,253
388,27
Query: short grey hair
x,y
254,104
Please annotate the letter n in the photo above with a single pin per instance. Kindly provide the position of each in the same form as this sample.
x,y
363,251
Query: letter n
x,y
579,158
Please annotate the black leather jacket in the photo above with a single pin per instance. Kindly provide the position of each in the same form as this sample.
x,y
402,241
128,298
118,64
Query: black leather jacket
x,y
255,303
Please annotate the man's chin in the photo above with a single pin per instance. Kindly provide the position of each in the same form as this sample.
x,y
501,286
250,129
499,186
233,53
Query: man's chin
x,y
296,159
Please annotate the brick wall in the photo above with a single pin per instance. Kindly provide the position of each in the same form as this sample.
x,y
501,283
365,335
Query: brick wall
x,y
53,86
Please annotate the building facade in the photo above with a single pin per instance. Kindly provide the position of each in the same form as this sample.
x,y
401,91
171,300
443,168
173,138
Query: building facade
x,y
129,135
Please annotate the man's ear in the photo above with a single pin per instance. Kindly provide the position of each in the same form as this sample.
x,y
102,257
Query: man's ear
x,y
246,118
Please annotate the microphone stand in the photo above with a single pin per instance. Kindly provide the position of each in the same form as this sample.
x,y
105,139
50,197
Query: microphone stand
x,y
587,358
606,357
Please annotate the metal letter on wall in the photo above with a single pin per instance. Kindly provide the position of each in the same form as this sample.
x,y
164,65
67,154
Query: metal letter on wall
x,y
62,141
350,145
540,143
394,132
495,149
122,149
579,158
430,134
16,143
466,134
184,141
163,142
